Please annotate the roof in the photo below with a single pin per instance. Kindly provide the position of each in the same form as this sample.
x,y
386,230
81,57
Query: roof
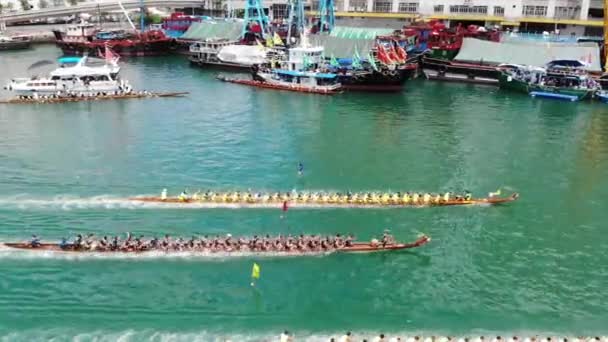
x,y
205,30
304,74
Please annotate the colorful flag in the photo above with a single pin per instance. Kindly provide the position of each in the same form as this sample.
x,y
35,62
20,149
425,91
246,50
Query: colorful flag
x,y
372,61
269,42
255,271
333,61
277,39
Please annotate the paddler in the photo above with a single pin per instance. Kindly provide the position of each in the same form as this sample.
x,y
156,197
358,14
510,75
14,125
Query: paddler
x,y
284,336
446,197
426,198
300,169
346,337
379,338
183,196
163,195
415,198
467,195
35,241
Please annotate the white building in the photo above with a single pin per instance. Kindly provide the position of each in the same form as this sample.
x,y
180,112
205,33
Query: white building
x,y
568,15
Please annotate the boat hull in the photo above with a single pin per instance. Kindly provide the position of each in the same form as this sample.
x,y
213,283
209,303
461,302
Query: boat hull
x,y
437,69
579,94
16,45
320,203
507,82
282,86
378,81
357,247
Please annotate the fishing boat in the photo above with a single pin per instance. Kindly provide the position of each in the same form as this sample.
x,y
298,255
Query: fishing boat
x,y
86,76
85,38
331,200
518,78
228,54
566,79
200,247
15,42
300,72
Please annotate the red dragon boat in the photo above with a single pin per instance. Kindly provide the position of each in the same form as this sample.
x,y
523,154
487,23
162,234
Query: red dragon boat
x,y
355,247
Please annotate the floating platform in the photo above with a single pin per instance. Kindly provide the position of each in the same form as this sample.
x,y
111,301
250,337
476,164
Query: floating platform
x,y
65,99
290,87
555,96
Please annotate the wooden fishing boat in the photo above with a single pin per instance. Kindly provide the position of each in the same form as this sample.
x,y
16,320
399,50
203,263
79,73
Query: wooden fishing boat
x,y
330,201
283,86
65,99
356,247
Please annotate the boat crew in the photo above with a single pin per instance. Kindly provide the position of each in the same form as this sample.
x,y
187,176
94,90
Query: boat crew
x,y
163,195
467,195
35,241
300,169
183,196
415,198
196,195
379,338
437,199
395,339
446,197
285,337
426,198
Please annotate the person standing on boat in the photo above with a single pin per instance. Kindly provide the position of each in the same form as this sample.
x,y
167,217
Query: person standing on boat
x,y
35,241
163,195
300,169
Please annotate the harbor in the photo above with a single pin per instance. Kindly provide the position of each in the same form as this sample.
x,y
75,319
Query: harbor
x,y
338,187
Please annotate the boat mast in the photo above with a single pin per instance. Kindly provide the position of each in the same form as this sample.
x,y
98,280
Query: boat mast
x,y
142,12
126,15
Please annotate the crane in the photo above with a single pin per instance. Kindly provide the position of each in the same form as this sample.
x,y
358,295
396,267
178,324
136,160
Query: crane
x,y
254,12
296,18
327,18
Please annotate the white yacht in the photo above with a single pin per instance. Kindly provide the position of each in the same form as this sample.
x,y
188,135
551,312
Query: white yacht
x,y
84,77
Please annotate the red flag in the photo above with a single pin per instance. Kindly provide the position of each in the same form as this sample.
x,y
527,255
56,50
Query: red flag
x,y
392,54
285,206
401,52
110,55
382,55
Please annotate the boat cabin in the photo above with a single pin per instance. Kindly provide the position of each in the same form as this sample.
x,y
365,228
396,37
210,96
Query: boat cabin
x,y
80,32
305,58
207,50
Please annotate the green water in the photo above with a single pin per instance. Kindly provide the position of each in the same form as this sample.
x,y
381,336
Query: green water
x,y
536,265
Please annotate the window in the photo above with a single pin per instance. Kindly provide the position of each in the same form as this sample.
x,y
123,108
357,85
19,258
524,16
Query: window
x,y
339,5
534,11
357,5
567,12
314,5
469,9
408,7
383,6
438,9
499,11
279,11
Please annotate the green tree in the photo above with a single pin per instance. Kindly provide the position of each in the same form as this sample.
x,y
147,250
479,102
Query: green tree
x,y
25,5
43,4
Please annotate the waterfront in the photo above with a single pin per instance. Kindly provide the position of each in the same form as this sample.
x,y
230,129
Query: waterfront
x,y
534,265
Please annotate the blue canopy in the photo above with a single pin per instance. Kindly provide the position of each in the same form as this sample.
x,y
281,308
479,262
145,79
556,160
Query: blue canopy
x,y
69,60
304,74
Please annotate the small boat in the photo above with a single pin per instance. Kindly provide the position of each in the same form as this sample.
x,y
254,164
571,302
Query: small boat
x,y
15,43
554,96
298,81
356,247
602,96
86,76
307,200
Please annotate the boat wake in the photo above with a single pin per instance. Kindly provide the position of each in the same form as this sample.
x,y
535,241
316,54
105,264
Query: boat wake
x,y
153,335
12,253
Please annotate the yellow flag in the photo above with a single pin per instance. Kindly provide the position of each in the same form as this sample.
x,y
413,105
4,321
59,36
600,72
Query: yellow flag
x,y
255,271
269,42
277,40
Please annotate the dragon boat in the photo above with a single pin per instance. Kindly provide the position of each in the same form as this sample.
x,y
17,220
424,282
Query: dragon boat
x,y
304,199
65,99
354,247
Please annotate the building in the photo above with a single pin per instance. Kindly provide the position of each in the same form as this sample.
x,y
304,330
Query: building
x,y
582,17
